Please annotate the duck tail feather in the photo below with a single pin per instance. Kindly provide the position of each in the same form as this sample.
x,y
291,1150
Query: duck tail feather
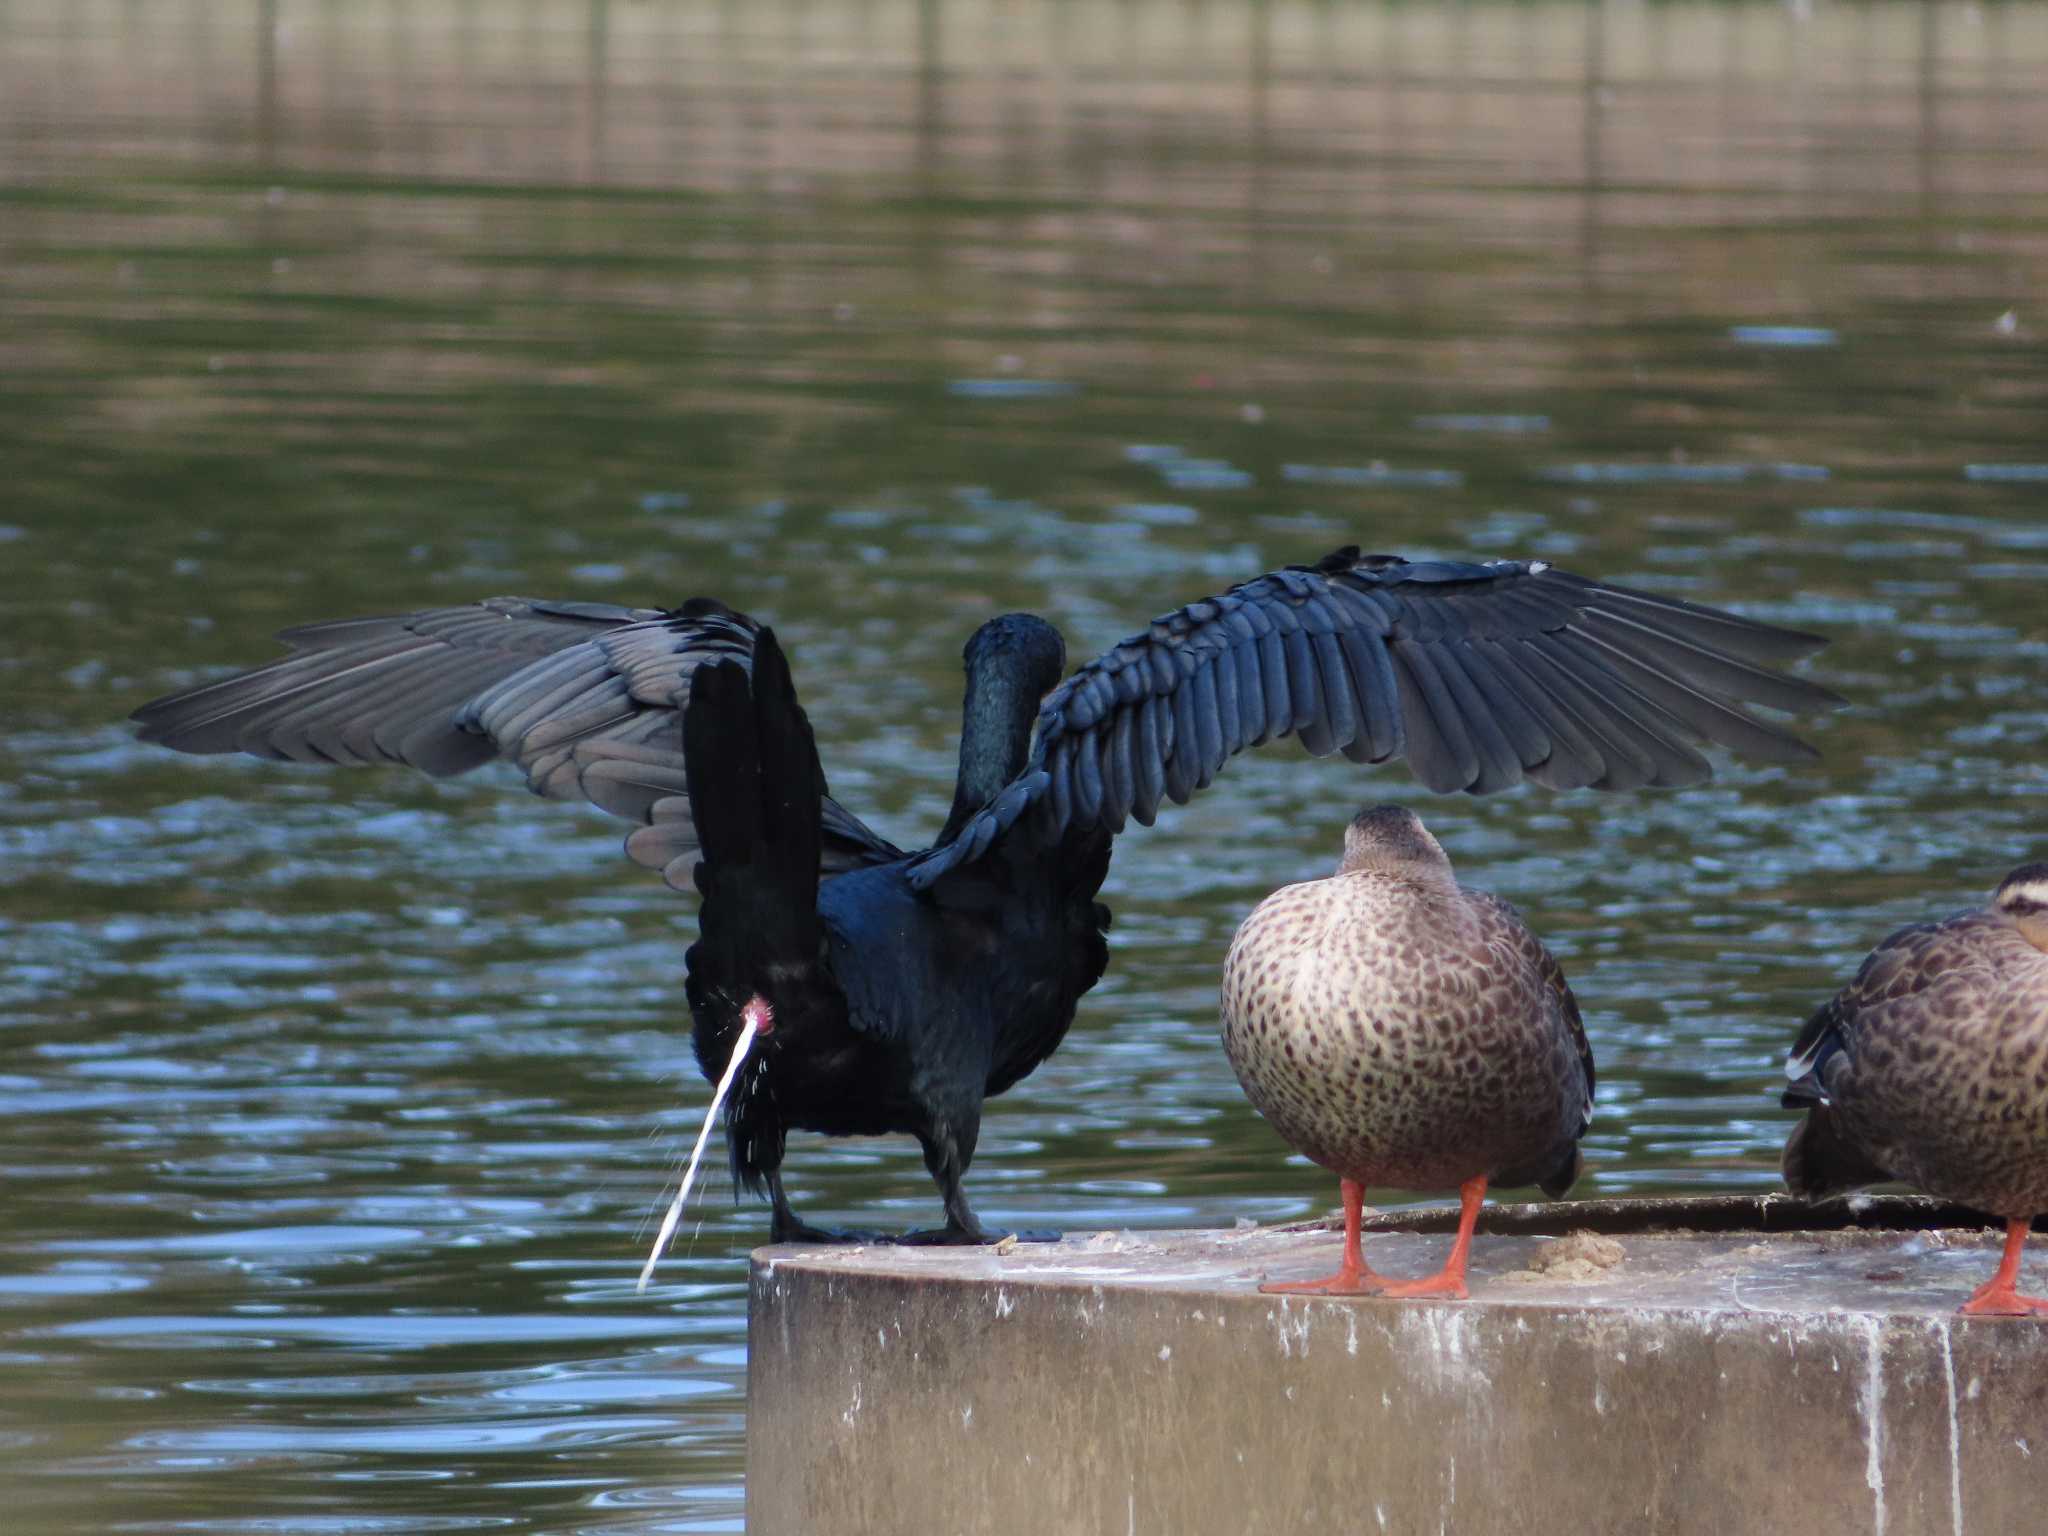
x,y
1820,1163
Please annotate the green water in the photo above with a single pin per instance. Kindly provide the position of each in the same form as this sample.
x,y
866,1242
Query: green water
x,y
335,1108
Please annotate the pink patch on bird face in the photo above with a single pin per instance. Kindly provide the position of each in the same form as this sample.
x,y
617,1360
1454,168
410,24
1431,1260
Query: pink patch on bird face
x,y
759,1014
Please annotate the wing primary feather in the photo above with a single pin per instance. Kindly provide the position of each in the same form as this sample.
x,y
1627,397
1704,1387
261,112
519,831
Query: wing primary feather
x,y
1183,761
1273,679
1148,772
1223,670
1576,759
1500,766
1433,719
219,722
1305,693
1380,731
1707,671
1088,776
1662,734
186,720
1251,694
1060,789
366,722
1708,717
1119,781
1719,631
427,739
281,724
1339,699
1525,734
1208,747
1629,766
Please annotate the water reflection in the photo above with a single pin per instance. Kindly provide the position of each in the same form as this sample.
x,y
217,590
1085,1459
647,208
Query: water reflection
x,y
335,1108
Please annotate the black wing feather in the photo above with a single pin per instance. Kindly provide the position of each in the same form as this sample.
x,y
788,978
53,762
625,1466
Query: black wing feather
x,y
1311,720
1438,749
1481,675
584,697
1340,699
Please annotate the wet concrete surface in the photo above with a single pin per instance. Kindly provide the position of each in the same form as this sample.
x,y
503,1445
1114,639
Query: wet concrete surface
x,y
1667,1379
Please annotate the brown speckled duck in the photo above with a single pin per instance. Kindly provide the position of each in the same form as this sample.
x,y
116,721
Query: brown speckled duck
x,y
1931,1068
1402,1030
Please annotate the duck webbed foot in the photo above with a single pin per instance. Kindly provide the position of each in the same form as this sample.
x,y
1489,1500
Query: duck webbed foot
x,y
1348,1281
1442,1283
1992,1303
1354,1276
2000,1295
1449,1282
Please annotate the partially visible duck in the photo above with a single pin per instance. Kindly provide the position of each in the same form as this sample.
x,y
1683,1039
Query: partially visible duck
x,y
1401,1029
1931,1068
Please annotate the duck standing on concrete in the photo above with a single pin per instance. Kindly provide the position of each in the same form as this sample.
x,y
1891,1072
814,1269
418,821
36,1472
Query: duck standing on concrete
x,y
1931,1068
1400,1029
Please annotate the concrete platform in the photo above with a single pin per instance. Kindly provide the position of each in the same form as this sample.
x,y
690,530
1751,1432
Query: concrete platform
x,y
1723,1367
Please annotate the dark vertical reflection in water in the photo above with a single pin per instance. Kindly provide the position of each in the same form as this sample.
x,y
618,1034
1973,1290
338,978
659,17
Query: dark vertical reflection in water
x,y
334,1108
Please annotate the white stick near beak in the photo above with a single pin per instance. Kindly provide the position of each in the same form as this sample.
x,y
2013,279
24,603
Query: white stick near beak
x,y
752,1024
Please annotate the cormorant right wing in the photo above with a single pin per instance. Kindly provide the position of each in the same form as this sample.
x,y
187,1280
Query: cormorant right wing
x,y
1480,675
586,698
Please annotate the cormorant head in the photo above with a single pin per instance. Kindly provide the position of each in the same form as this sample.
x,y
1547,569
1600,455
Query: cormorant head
x,y
1391,840
1013,662
1022,645
2023,897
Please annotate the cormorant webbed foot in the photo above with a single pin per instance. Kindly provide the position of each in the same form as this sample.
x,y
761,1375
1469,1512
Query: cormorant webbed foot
x,y
796,1230
785,1226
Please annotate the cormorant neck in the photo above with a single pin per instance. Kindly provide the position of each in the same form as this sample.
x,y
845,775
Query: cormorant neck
x,y
995,732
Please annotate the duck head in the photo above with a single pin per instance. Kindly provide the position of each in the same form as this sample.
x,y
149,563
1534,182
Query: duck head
x,y
2023,897
1391,840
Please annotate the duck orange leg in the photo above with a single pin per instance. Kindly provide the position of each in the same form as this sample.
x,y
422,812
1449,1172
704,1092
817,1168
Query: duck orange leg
x,y
1999,1296
1450,1280
1353,1277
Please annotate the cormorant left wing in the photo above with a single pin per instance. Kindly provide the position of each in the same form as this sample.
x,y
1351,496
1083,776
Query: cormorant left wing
x,y
586,698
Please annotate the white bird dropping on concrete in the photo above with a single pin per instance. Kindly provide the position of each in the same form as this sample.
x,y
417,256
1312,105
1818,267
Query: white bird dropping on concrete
x,y
755,1019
